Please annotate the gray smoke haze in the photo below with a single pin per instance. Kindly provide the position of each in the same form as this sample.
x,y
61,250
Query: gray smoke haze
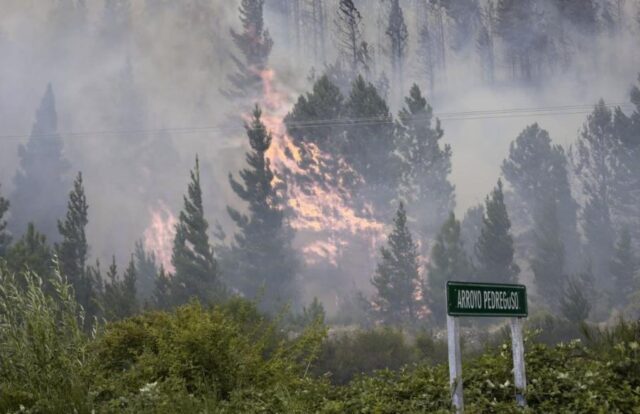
x,y
125,86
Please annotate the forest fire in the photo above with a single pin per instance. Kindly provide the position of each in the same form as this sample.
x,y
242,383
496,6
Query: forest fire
x,y
317,209
158,237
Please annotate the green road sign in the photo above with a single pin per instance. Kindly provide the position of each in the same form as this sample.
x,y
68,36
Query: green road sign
x,y
486,299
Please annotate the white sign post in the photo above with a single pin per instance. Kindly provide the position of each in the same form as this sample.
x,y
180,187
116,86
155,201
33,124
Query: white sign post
x,y
485,299
455,363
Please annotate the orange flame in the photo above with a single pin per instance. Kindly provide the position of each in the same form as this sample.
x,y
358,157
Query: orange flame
x,y
320,210
159,235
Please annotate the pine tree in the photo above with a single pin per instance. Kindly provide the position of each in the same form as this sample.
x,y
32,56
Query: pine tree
x,y
147,272
32,252
5,236
162,298
548,264
449,262
426,164
265,263
574,303
537,172
349,41
119,298
40,180
465,17
72,251
494,248
398,39
624,265
472,228
371,149
597,163
254,43
397,277
196,270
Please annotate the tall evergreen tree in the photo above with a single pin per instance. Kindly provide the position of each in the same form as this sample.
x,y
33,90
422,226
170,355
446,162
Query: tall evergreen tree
x,y
397,277
32,252
254,43
471,228
371,149
548,263
426,164
265,263
598,164
147,272
196,270
449,261
537,172
119,298
40,180
5,237
162,298
72,251
494,248
624,265
574,303
349,40
398,41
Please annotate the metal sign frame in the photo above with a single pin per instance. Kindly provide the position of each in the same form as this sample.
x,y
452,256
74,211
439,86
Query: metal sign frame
x,y
517,343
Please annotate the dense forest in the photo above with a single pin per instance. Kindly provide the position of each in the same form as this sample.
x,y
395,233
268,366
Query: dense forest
x,y
254,206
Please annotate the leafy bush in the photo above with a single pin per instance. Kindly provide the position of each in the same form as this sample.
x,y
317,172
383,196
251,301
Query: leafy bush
x,y
362,352
43,350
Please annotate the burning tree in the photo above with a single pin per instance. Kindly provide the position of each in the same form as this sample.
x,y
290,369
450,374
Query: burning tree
x,y
264,261
255,43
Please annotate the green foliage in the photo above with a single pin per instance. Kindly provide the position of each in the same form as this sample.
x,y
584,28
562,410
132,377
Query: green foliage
x,y
397,275
494,248
426,164
5,237
43,349
147,268
449,261
624,265
31,252
209,356
574,303
264,262
196,270
362,352
119,299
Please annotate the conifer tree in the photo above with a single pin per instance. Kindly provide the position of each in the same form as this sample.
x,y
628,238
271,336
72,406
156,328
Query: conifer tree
x,y
196,270
371,149
494,248
72,251
574,303
537,172
265,263
147,272
254,43
162,290
349,40
598,164
398,39
32,252
5,237
624,264
471,228
426,164
396,278
548,263
40,180
449,261
119,298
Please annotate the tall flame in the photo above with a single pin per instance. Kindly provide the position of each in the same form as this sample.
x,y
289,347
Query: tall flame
x,y
317,209
159,235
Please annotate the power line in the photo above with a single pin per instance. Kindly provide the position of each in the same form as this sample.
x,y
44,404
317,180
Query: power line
x,y
346,122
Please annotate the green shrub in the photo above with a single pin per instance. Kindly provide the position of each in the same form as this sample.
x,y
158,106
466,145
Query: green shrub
x,y
43,350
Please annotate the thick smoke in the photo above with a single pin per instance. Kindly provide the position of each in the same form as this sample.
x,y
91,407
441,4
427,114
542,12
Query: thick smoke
x,y
138,84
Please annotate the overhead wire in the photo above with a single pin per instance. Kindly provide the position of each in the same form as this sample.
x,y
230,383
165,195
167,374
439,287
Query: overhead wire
x,y
575,109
